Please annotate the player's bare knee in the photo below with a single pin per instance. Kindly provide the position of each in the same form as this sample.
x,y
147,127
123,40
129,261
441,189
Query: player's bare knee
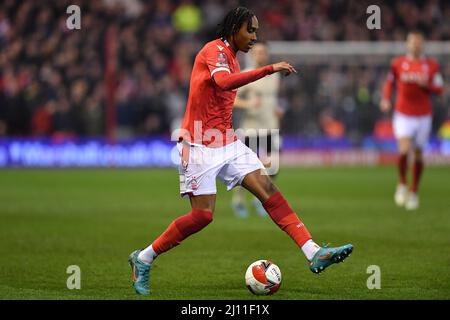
x,y
403,149
273,189
203,203
209,209
404,145
270,188
418,155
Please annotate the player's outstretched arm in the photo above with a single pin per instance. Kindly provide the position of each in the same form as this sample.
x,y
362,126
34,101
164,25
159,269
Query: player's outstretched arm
x,y
231,81
388,87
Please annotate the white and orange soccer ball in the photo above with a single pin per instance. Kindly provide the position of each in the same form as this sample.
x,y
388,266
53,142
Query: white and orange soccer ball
x,y
263,277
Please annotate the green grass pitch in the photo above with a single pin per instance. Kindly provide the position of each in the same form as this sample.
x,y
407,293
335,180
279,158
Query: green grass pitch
x,y
50,219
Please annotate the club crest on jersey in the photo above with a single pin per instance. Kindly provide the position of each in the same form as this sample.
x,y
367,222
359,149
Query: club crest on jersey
x,y
405,65
194,183
220,47
221,60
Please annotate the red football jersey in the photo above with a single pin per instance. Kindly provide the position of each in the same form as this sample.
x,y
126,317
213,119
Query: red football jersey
x,y
210,107
405,72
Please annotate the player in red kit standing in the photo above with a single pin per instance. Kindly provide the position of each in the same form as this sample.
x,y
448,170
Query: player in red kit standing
x,y
415,77
209,149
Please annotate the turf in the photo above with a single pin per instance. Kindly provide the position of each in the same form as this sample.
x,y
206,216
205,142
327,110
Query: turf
x,y
50,219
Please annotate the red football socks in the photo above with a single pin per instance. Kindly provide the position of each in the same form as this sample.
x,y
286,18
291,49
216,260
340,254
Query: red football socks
x,y
417,173
402,167
283,215
277,207
181,228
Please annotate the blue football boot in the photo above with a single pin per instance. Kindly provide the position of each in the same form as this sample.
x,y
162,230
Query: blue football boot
x,y
140,273
327,256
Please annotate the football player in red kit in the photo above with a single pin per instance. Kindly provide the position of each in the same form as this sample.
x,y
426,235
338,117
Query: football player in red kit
x,y
209,149
415,78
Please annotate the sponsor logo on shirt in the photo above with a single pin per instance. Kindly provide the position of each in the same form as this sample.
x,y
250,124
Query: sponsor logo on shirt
x,y
412,76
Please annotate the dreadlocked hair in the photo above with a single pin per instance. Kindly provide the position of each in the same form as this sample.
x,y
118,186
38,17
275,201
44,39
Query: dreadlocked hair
x,y
233,21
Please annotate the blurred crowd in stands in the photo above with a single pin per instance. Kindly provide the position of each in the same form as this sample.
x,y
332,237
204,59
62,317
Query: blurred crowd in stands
x,y
52,78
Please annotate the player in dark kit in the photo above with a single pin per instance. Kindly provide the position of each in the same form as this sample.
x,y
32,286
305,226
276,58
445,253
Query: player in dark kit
x,y
209,148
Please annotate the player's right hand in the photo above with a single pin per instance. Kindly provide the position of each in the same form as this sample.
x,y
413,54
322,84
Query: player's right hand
x,y
385,105
284,66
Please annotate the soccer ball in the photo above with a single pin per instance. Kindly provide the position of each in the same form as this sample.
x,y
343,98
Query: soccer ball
x,y
263,277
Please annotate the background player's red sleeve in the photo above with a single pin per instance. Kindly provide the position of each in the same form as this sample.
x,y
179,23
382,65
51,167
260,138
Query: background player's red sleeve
x,y
227,81
388,86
